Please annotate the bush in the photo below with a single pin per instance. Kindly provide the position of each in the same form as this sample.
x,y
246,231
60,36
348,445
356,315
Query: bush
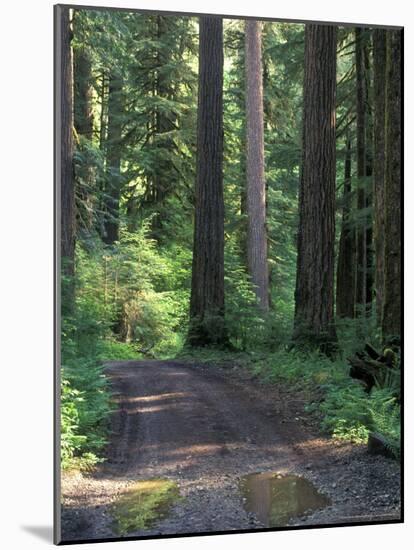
x,y
71,441
122,308
346,411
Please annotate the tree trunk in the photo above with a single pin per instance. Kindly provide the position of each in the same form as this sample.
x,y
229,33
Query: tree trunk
x,y
314,295
256,190
207,286
103,102
369,275
345,280
113,160
361,270
364,271
83,123
391,324
83,113
379,46
65,142
242,176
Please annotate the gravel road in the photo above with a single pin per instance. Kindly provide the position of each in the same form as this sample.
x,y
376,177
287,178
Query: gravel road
x,y
205,427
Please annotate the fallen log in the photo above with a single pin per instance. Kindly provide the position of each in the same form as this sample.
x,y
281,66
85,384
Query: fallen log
x,y
375,369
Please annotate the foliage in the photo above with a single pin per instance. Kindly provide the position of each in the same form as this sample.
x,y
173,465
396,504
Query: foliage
x,y
345,410
351,414
243,321
70,441
122,310
132,296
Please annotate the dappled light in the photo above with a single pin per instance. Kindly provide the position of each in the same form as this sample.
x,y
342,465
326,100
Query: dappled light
x,y
229,243
160,397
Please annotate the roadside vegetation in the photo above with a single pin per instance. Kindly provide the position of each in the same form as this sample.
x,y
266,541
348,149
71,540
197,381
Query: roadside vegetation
x,y
153,312
213,207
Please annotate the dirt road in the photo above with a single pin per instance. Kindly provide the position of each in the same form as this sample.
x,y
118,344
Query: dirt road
x,y
205,427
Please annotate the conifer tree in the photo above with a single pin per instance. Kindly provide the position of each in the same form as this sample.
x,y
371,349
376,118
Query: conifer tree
x,y
207,288
256,186
314,295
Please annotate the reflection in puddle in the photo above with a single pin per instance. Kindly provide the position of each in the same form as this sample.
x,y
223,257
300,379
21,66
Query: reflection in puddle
x,y
274,499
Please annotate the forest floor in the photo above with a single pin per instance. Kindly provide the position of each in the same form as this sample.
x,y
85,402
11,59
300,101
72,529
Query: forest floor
x,y
205,427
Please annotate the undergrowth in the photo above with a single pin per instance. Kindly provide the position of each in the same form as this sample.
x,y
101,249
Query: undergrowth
x,y
346,411
132,302
85,401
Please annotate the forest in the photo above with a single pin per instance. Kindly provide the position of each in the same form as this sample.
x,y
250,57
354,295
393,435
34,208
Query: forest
x,y
230,191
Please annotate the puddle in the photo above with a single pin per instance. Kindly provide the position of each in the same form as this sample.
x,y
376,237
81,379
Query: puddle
x,y
275,499
143,503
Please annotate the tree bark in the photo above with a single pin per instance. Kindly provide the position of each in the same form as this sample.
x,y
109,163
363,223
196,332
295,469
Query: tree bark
x,y
391,324
83,124
364,270
379,49
207,325
361,270
345,279
369,275
256,187
113,160
83,113
65,129
314,295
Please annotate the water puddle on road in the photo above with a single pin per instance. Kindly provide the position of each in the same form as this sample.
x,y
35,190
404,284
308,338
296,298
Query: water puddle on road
x,y
143,503
275,498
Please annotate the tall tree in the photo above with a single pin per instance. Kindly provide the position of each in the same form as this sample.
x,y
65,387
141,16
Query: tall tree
x,y
345,279
65,133
369,142
379,55
165,176
391,323
113,159
82,82
207,286
235,129
364,267
314,295
160,127
83,122
256,187
361,232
